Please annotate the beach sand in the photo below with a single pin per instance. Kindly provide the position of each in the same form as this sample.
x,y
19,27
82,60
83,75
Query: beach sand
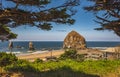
x,y
38,54
56,53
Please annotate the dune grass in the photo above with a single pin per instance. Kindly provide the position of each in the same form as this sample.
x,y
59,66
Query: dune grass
x,y
64,67
60,68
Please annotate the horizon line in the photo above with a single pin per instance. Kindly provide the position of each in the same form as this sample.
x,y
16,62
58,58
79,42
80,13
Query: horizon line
x,y
63,40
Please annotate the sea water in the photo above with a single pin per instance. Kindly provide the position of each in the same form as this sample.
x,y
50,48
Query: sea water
x,y
23,46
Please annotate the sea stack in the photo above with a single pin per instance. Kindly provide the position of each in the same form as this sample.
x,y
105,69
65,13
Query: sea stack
x,y
74,40
10,46
31,47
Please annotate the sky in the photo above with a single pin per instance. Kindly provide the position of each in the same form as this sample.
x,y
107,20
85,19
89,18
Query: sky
x,y
84,25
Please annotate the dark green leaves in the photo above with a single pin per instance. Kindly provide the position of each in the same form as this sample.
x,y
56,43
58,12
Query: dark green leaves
x,y
7,59
107,14
36,13
6,34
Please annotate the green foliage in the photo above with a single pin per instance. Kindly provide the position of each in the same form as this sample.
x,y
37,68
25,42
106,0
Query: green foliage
x,y
19,61
38,60
6,34
80,57
100,67
7,59
12,36
106,13
35,13
71,54
21,66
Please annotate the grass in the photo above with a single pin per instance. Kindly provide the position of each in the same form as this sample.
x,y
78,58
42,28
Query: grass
x,y
59,68
64,68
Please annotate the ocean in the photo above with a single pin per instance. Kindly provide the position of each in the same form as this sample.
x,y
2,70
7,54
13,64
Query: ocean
x,y
22,46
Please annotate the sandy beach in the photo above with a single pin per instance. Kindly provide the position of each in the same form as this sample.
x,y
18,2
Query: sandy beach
x,y
38,54
56,53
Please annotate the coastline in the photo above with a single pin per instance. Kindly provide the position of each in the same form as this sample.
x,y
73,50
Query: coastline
x,y
22,46
56,53
89,53
40,54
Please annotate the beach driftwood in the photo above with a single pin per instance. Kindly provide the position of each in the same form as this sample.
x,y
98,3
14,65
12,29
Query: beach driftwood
x,y
74,40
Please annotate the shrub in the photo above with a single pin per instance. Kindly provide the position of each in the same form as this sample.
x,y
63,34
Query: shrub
x,y
80,57
7,59
72,54
38,60
69,54
20,68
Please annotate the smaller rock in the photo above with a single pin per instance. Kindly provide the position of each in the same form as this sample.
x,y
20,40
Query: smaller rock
x,y
31,46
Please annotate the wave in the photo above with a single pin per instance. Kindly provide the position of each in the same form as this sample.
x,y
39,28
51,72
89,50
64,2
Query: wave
x,y
14,52
101,48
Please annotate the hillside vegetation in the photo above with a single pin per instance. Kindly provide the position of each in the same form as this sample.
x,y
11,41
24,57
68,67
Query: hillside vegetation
x,y
62,68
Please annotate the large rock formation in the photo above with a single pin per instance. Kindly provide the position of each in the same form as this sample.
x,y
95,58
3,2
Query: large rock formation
x,y
74,40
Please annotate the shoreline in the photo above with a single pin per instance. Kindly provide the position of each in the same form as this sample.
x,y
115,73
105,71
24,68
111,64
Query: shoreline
x,y
91,52
56,53
22,46
42,55
47,50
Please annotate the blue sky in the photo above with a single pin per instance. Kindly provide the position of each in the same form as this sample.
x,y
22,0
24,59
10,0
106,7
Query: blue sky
x,y
84,25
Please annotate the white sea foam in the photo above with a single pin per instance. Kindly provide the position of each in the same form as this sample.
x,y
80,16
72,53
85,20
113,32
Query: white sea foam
x,y
37,52
29,53
101,48
18,52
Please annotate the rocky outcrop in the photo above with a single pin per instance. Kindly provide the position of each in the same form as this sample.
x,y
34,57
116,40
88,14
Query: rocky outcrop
x,y
74,40
31,46
10,45
113,49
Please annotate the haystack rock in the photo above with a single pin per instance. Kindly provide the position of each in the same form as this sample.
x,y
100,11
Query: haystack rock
x,y
74,40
